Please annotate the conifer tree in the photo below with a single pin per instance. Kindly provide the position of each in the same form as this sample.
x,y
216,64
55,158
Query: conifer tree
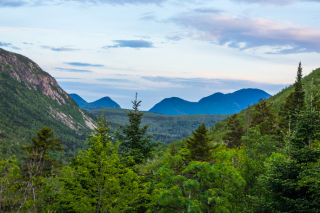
x,y
38,161
265,117
38,165
199,145
295,102
236,131
134,139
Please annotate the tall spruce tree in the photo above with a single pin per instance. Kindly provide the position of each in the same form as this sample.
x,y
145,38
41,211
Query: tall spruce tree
x,y
134,139
235,132
265,117
199,145
295,102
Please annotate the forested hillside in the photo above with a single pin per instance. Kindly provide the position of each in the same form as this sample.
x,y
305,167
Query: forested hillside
x,y
31,99
164,128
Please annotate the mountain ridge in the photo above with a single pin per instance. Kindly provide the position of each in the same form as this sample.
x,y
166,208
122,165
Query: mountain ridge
x,y
217,103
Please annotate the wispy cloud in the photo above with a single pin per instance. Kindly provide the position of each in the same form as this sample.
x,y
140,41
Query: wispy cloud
x,y
114,80
274,2
131,44
27,43
70,70
80,64
245,32
4,44
12,3
207,10
59,49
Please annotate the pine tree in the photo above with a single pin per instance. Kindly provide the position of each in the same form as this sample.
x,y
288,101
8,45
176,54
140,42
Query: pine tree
x,y
134,139
38,165
295,102
265,117
199,145
38,161
236,131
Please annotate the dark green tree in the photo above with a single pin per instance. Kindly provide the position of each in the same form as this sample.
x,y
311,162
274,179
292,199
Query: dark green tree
x,y
38,161
38,165
265,117
295,102
134,139
199,145
235,132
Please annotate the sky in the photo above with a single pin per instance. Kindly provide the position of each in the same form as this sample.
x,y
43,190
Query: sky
x,y
164,48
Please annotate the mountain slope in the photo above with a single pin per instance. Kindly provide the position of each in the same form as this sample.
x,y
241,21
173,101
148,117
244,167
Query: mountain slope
x,y
217,103
164,128
98,104
31,99
80,101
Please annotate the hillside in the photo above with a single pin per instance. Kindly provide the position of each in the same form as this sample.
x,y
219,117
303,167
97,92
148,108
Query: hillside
x,y
217,103
311,84
165,128
31,99
98,104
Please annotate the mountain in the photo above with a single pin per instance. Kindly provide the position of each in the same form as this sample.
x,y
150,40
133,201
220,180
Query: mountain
x,y
98,104
31,99
217,131
105,102
80,101
217,103
164,128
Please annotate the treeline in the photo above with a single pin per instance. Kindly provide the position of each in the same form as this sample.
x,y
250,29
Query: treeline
x,y
269,164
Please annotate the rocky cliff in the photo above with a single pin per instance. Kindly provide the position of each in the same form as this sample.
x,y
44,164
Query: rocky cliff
x,y
30,98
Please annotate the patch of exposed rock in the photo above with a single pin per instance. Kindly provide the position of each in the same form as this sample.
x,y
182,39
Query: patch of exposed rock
x,y
24,70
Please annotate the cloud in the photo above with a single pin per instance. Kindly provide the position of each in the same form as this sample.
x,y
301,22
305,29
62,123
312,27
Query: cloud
x,y
114,80
245,32
27,43
216,84
80,64
70,70
4,44
207,10
12,3
59,49
131,44
274,2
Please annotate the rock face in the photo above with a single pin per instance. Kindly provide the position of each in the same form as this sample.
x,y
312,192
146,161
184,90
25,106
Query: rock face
x,y
24,70
34,79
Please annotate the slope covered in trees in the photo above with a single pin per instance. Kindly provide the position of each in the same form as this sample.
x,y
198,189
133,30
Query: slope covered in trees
x,y
30,99
163,128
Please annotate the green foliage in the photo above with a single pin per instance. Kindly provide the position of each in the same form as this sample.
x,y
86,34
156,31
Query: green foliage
x,y
196,187
97,181
134,141
163,128
235,131
199,145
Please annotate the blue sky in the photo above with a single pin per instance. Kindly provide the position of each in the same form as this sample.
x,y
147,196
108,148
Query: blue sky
x,y
164,48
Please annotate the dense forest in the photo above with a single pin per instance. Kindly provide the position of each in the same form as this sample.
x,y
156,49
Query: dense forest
x,y
163,128
264,159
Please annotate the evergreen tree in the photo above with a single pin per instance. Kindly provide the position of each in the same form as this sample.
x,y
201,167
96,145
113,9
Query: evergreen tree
x,y
295,102
235,132
134,139
199,145
38,165
38,162
97,181
265,117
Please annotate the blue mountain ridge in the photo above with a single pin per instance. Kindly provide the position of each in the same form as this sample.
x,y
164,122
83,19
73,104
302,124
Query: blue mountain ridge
x,y
98,104
217,103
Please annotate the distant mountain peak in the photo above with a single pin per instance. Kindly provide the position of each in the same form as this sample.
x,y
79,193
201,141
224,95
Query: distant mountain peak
x,y
98,104
217,103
